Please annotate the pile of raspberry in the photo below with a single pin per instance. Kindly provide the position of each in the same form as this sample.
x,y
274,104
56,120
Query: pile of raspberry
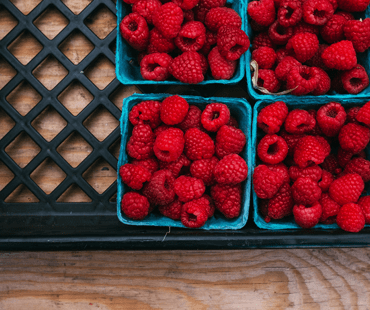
x,y
184,162
314,165
183,38
310,46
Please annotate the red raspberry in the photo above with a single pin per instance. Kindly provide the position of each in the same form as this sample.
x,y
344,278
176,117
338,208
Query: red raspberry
x,y
316,60
272,117
262,40
209,4
227,199
305,46
231,169
212,206
284,67
158,43
290,13
272,149
326,180
330,208
146,112
333,31
194,214
229,140
350,218
340,56
188,188
266,182
353,5
346,15
308,150
336,83
214,116
302,26
232,42
344,157
299,122
265,57
192,119
331,165
186,4
317,12
268,80
355,80
187,68
198,145
160,129
324,84
360,166
334,3
291,140
159,190
146,8
155,67
169,144
363,114
281,205
172,210
210,42
200,13
331,118
135,206
307,217
233,122
188,15
222,16
313,172
279,34
181,165
316,131
168,19
352,114
134,176
262,12
364,203
305,191
135,31
353,137
151,164
191,37
203,63
256,27
221,68
324,144
130,1
140,145
347,188
174,110
282,53
282,170
203,170
303,80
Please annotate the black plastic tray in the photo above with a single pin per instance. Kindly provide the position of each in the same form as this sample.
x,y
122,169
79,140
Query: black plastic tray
x,y
48,225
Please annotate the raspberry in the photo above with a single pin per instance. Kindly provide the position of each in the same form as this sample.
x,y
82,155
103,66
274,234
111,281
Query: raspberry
x,y
309,150
222,16
232,42
174,110
333,31
194,214
282,53
187,68
331,118
283,69
221,68
290,13
262,12
146,112
214,116
347,188
360,166
140,145
151,164
209,43
188,188
350,218
266,182
340,56
325,145
364,203
262,40
336,83
305,46
291,140
192,119
146,8
302,26
326,180
265,57
160,129
191,37
353,137
188,15
317,12
363,114
303,80
344,157
352,114
134,176
305,191
313,172
229,140
172,210
281,205
279,34
186,4
227,199
135,206
307,217
212,207
316,131
353,5
200,13
324,83
231,169
331,165
268,80
198,145
169,144
272,117
299,122
135,31
159,190
203,63
158,43
346,15
130,1
168,19
203,170
176,167
334,3
282,170
155,67
330,208
316,60
272,149
355,80
256,27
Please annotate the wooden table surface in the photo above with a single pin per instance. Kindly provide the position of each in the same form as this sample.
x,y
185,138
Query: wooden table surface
x,y
254,279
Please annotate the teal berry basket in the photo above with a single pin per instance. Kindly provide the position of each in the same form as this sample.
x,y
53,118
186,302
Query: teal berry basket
x,y
257,134
363,59
128,69
241,110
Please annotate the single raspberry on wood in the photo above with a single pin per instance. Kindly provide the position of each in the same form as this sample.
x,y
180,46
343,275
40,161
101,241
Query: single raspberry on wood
x,y
305,46
353,137
159,190
272,149
351,218
222,16
168,19
134,176
262,40
140,144
282,169
355,80
194,214
158,43
363,114
353,5
186,4
317,12
358,32
172,210
232,42
229,140
187,68
231,169
203,170
146,8
155,67
283,69
340,56
360,166
266,182
309,150
326,180
173,110
278,34
214,116
307,216
198,145
181,165
290,13
331,117
191,37
221,68
346,189
262,12
227,199
272,117
268,80
299,122
146,112
265,57
305,191
151,164
333,30
169,144
324,83
330,208
364,203
188,188
314,172
135,206
135,31
192,119
303,80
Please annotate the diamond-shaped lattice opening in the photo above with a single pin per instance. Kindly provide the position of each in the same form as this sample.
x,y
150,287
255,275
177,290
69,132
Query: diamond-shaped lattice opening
x,y
7,72
6,123
25,47
76,47
101,21
101,123
22,149
114,148
74,194
21,195
25,6
7,22
101,72
122,92
6,175
24,98
76,6
100,175
50,72
75,97
74,149
51,22
49,123
48,175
